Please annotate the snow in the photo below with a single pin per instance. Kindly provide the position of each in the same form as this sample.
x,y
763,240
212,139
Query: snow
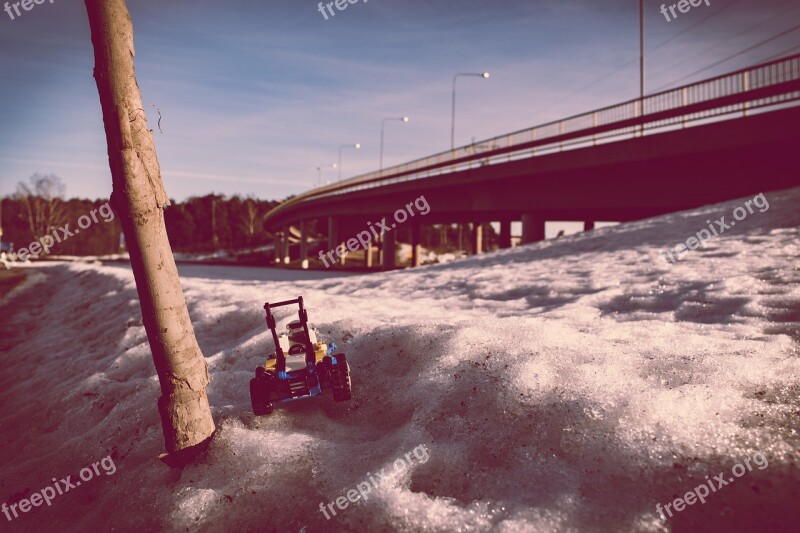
x,y
570,385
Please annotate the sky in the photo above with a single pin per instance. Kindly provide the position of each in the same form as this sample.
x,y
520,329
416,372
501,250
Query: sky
x,y
253,96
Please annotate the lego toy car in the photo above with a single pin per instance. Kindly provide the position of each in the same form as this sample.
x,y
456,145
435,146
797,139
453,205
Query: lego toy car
x,y
300,366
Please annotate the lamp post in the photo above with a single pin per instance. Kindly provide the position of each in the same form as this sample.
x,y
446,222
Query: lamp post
x,y
483,75
214,222
383,123
641,64
1,220
319,172
357,146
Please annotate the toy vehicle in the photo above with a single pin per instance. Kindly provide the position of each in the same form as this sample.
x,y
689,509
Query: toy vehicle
x,y
300,365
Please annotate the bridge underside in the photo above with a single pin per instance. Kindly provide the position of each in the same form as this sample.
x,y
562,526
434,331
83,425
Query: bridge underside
x,y
618,181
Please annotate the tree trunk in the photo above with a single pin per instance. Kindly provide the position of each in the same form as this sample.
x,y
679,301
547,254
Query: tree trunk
x,y
138,197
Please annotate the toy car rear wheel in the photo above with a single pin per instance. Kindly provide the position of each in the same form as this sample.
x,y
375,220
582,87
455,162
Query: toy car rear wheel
x,y
259,397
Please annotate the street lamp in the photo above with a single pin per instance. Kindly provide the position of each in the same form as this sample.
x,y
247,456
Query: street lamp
x,y
383,122
357,146
1,222
319,172
641,64
483,75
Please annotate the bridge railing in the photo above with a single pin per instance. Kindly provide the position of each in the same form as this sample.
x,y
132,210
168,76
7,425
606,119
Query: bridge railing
x,y
743,91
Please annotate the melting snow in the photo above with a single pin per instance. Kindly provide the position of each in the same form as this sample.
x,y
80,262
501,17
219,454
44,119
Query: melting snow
x,y
564,386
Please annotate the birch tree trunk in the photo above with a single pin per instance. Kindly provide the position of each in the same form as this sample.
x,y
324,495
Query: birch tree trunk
x,y
139,198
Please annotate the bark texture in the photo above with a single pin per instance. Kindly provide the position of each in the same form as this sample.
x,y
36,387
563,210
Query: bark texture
x,y
139,198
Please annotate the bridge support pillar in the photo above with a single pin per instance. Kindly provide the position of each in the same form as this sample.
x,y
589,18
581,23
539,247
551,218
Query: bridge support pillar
x,y
333,232
368,251
477,238
389,250
303,245
285,253
303,241
588,225
416,260
334,236
532,228
505,234
278,243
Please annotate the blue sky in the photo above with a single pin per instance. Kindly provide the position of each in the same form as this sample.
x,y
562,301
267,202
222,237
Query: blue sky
x,y
255,95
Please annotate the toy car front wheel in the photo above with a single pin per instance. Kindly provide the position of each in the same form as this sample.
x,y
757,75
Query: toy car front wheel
x,y
339,376
259,397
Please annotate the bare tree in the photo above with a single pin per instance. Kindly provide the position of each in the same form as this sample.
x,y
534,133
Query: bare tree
x,y
139,199
249,219
42,202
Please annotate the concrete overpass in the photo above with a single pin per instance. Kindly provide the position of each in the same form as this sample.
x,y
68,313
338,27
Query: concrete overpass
x,y
714,140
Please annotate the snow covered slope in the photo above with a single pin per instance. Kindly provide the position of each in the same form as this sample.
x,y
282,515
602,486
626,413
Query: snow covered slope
x,y
569,385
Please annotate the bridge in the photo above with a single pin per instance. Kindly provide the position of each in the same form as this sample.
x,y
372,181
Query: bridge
x,y
710,141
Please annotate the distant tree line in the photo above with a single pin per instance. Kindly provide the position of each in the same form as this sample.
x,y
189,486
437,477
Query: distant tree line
x,y
200,224
215,222
197,225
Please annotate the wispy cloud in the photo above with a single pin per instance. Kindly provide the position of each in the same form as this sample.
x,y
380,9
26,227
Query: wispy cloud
x,y
225,178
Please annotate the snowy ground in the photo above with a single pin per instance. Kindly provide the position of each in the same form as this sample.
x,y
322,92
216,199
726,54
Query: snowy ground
x,y
571,385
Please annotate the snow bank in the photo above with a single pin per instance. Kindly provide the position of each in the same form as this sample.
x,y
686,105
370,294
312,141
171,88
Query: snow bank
x,y
570,385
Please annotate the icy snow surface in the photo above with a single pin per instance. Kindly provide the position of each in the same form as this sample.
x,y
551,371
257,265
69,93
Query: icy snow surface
x,y
570,385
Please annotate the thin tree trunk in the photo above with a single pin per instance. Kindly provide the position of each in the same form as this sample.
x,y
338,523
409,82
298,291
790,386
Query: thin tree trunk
x,y
138,197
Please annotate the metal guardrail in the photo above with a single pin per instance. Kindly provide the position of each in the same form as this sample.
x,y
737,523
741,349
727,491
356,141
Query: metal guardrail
x,y
764,85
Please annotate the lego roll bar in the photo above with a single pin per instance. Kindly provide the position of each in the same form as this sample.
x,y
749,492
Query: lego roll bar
x,y
280,363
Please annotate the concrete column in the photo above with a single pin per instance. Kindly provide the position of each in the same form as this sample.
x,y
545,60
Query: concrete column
x,y
333,232
588,225
334,236
286,252
303,241
303,245
368,254
389,250
532,228
278,246
477,238
416,260
505,234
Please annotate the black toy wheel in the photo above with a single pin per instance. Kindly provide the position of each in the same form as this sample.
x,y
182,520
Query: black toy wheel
x,y
339,376
259,397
